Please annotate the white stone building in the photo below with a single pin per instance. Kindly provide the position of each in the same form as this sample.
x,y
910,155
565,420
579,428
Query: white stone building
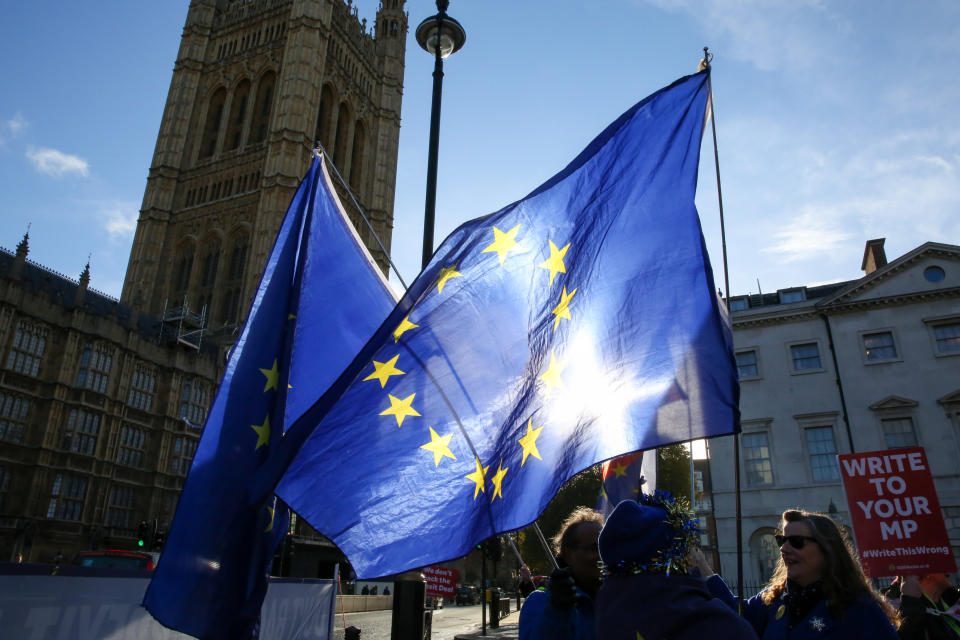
x,y
863,365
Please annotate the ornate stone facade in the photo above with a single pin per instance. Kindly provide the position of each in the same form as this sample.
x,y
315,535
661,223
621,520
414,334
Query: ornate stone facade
x,y
256,85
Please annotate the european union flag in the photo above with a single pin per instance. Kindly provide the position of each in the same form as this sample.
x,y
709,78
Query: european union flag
x,y
320,299
571,327
624,478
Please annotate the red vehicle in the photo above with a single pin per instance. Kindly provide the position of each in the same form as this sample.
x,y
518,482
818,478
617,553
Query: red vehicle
x,y
115,558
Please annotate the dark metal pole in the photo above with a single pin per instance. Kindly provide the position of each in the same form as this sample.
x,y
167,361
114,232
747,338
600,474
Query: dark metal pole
x,y
836,368
483,588
726,291
431,200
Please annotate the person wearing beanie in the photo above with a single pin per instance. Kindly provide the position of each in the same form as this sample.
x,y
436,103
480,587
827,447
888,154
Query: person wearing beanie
x,y
565,610
646,592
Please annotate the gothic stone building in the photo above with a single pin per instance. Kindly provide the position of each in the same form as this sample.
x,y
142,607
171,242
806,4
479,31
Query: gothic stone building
x,y
256,85
101,400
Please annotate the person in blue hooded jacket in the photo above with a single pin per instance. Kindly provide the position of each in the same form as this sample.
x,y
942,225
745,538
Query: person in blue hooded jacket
x,y
647,592
818,589
565,610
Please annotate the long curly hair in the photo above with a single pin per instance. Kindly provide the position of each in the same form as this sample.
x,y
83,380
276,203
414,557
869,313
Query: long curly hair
x,y
843,578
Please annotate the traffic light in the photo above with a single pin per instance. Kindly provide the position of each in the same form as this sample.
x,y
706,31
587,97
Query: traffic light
x,y
143,530
158,539
492,548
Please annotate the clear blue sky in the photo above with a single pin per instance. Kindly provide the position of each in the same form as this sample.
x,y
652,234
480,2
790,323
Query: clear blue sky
x,y
836,121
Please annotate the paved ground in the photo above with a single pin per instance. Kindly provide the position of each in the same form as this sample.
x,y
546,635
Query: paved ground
x,y
449,623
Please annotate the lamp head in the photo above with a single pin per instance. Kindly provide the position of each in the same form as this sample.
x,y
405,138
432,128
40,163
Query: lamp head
x,y
452,35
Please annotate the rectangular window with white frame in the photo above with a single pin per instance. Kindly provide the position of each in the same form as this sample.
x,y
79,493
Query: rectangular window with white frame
x,y
66,497
823,453
879,346
946,337
899,432
805,357
748,366
757,463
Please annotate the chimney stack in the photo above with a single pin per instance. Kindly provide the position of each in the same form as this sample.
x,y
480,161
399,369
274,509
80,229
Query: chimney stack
x,y
873,256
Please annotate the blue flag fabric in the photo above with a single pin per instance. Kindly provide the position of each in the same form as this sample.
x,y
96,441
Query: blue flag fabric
x,y
320,299
568,328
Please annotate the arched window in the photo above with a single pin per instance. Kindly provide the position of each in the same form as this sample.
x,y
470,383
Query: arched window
x,y
343,120
182,267
261,109
238,114
356,162
765,552
229,307
212,128
323,116
208,275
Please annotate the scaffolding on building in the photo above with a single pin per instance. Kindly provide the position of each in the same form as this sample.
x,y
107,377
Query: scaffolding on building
x,y
182,326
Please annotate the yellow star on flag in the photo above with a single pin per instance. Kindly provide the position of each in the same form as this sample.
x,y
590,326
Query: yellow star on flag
x,y
497,481
562,310
447,273
620,470
503,243
551,377
555,261
263,432
478,477
529,442
272,375
440,446
270,526
405,325
383,370
400,408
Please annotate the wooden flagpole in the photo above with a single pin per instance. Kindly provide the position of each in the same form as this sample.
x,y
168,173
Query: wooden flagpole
x,y
726,293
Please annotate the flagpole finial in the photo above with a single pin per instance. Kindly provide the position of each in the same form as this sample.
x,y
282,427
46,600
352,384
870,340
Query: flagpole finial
x,y
705,61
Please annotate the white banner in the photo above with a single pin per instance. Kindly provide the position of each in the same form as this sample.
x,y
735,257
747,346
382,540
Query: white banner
x,y
45,607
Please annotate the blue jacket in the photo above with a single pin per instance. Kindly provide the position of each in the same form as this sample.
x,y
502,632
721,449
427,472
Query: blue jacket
x,y
864,619
655,607
539,620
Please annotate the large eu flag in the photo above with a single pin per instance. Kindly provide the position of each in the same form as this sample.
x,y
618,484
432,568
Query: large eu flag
x,y
571,327
320,299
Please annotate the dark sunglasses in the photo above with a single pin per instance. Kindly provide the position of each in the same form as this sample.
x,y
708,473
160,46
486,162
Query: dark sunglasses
x,y
796,542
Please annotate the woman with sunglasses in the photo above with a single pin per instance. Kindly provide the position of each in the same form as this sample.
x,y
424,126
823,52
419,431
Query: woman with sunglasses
x,y
817,590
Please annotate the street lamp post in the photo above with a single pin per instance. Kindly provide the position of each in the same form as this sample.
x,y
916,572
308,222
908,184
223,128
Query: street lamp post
x,y
439,35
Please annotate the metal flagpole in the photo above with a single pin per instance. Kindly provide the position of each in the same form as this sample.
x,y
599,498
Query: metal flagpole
x,y
726,292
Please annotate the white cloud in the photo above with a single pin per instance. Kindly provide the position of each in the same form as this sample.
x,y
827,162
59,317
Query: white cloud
x,y
56,163
769,35
811,234
119,219
17,124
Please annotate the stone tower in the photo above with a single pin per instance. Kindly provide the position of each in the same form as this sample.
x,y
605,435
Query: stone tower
x,y
256,84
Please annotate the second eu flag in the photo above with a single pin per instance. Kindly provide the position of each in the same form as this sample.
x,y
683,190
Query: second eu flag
x,y
573,326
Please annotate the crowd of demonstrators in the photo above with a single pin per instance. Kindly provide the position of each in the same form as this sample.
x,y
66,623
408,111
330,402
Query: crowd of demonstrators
x,y
818,589
565,610
923,599
647,592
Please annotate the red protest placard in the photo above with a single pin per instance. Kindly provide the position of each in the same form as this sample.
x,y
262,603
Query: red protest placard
x,y
441,581
895,512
